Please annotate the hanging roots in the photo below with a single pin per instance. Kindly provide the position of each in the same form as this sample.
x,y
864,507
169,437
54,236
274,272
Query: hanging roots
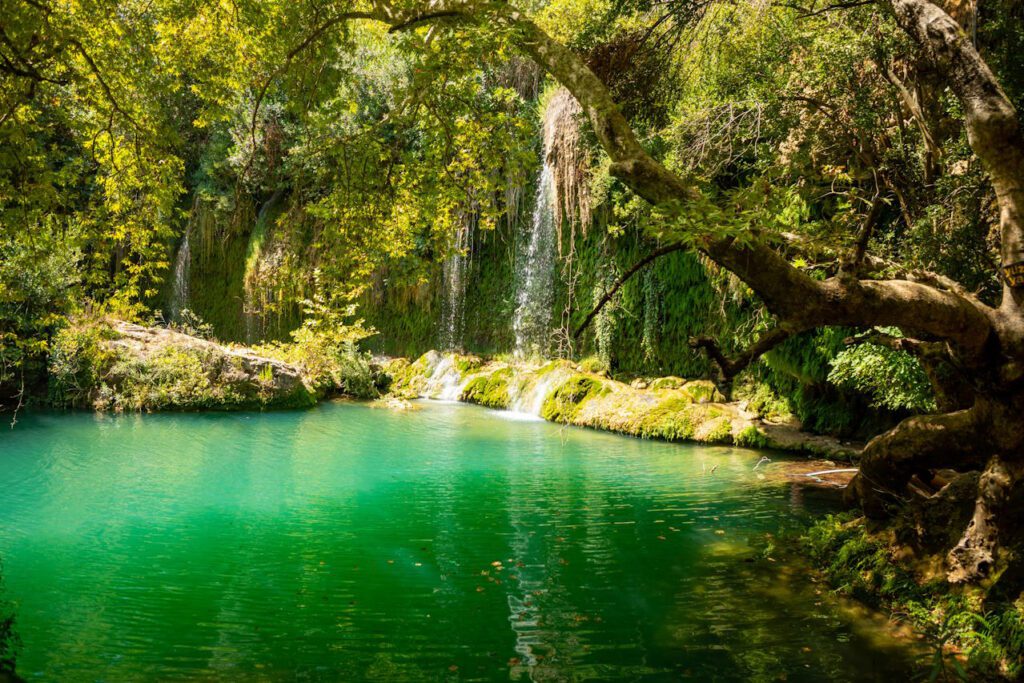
x,y
569,160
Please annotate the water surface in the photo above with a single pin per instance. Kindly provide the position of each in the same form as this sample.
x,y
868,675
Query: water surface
x,y
353,543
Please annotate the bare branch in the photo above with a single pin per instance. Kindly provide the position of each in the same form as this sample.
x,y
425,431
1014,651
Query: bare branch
x,y
634,269
731,367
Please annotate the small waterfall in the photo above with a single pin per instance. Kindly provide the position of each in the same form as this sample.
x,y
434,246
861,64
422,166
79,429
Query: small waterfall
x,y
444,382
528,399
453,314
535,272
182,271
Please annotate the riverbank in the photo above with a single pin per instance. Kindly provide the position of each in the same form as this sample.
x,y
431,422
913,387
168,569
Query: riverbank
x,y
666,408
975,632
107,364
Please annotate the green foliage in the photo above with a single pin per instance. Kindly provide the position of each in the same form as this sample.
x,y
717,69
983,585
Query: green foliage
x,y
38,276
192,325
79,362
894,379
326,349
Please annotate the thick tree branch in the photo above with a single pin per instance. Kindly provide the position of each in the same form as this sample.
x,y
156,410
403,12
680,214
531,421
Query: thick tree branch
x,y
960,439
993,128
634,269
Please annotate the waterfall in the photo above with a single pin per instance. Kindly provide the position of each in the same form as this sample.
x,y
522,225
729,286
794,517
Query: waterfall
x,y
182,271
444,383
535,272
453,312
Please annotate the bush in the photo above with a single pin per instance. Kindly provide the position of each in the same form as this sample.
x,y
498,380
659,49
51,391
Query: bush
x,y
78,363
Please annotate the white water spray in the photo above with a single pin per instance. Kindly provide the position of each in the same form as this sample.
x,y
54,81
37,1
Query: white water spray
x,y
444,383
535,272
182,272
454,270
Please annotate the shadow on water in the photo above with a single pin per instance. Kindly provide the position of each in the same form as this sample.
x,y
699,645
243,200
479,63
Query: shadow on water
x,y
446,542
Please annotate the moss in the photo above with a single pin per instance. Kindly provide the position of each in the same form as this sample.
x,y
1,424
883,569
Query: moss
x,y
564,403
751,437
466,364
594,365
715,430
667,383
490,390
670,420
703,391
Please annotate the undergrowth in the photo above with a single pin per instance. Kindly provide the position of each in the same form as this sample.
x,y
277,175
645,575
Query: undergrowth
x,y
972,638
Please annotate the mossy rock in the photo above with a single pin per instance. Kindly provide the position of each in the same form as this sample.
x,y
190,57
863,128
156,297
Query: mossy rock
x,y
670,420
667,383
466,364
490,390
564,403
752,437
134,368
703,391
715,430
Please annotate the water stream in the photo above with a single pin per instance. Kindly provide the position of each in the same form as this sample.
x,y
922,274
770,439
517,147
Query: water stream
x,y
355,543
535,272
453,295
180,284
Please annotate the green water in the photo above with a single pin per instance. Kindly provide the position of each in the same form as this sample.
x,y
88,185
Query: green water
x,y
353,543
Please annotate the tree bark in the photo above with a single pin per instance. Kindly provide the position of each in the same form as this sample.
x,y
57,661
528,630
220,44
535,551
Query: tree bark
x,y
993,129
976,554
957,440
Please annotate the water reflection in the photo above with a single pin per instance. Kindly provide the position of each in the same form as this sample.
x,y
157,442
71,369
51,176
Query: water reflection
x,y
349,542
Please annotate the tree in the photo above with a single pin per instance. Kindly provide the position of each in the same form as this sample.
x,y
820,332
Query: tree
x,y
974,351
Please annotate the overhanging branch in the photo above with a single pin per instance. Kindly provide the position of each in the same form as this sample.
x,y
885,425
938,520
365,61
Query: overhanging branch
x,y
731,367
639,265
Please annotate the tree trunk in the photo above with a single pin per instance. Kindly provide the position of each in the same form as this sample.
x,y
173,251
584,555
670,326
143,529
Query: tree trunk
x,y
976,554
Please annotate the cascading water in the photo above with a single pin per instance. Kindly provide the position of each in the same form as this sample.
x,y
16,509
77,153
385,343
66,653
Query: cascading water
x,y
182,272
444,382
453,312
535,272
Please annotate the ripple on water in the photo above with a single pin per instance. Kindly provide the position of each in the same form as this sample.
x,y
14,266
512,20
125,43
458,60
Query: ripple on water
x,y
346,542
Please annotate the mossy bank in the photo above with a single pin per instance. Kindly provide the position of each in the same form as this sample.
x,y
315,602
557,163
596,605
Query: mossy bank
x,y
109,364
667,408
